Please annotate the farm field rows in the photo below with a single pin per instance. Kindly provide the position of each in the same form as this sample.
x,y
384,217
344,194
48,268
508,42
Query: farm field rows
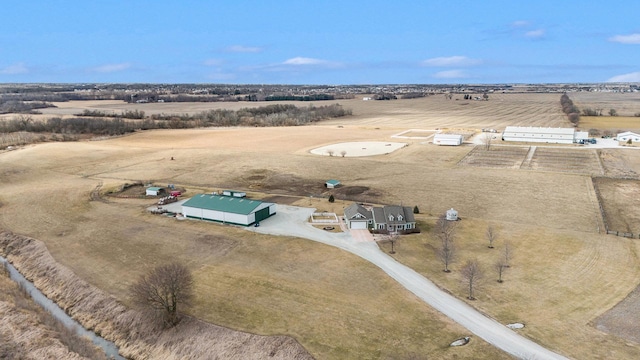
x,y
336,305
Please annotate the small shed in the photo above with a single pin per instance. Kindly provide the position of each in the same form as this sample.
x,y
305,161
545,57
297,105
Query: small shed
x,y
447,139
452,215
628,135
330,184
234,193
154,191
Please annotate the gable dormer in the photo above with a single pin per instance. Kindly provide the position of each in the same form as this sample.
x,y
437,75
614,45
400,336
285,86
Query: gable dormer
x,y
390,217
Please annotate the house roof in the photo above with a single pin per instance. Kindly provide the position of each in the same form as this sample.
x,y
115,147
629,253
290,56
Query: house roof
x,y
333,182
154,188
356,211
393,214
228,204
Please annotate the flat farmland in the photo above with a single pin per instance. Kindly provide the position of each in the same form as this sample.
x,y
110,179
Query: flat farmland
x,y
619,202
429,112
338,306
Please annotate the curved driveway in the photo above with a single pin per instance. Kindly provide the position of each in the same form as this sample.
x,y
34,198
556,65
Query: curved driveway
x,y
292,221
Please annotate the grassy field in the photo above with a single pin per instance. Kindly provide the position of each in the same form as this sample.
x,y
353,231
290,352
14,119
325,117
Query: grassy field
x,y
338,306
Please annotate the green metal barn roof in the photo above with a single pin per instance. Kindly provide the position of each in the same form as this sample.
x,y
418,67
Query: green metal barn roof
x,y
228,204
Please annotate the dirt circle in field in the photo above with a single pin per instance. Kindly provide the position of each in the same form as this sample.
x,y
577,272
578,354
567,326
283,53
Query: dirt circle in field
x,y
360,148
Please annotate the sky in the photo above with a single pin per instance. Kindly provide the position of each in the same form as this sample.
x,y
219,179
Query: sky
x,y
320,42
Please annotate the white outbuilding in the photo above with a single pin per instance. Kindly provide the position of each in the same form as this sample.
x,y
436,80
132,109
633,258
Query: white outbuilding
x,y
447,139
154,191
628,135
539,134
452,215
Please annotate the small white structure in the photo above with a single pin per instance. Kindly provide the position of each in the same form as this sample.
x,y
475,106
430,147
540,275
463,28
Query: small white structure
x,y
539,134
238,194
447,139
331,184
154,191
452,215
628,135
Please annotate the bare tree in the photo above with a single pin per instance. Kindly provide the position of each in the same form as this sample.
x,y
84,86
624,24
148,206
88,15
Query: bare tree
x,y
508,254
486,140
500,267
343,153
445,232
491,235
330,152
472,274
613,112
393,237
163,290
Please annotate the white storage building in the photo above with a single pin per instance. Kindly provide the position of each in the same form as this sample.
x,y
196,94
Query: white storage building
x,y
539,134
227,209
628,135
447,139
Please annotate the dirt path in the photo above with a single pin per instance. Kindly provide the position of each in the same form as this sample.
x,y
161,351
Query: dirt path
x,y
292,221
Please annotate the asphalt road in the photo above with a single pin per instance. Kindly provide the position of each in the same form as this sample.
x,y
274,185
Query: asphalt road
x,y
292,221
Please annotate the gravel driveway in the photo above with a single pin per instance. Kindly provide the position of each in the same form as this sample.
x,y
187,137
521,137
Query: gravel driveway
x,y
292,221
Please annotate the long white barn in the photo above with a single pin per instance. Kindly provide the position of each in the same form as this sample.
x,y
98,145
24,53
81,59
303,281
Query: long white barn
x,y
539,134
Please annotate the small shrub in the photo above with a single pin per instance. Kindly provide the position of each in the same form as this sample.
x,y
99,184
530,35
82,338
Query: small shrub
x,y
416,210
331,198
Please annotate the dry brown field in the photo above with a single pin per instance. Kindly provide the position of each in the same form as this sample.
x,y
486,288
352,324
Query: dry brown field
x,y
564,272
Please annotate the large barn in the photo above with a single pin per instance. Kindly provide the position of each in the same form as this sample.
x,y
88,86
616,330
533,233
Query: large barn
x,y
227,209
539,134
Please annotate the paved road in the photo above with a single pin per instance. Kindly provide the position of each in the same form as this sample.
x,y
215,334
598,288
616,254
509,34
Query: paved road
x,y
292,221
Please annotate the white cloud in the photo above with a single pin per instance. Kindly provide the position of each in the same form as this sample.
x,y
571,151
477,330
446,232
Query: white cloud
x,y
630,77
304,61
626,39
520,23
244,49
535,34
109,68
450,74
451,61
19,68
212,62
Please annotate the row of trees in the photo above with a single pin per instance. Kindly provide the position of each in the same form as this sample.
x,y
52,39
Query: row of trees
x,y
272,115
18,106
572,111
598,112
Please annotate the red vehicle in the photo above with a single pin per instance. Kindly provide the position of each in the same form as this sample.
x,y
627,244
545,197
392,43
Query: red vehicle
x,y
175,193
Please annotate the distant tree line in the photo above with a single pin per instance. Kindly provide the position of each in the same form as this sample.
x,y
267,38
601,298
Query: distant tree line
x,y
271,115
413,95
572,111
22,107
129,114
